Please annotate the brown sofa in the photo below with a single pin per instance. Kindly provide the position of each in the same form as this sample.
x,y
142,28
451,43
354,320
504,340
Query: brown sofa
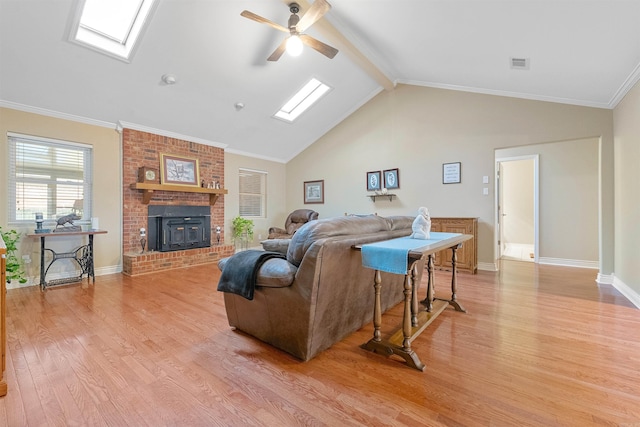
x,y
321,293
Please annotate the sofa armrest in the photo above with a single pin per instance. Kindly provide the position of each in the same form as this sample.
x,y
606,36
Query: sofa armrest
x,y
274,273
277,230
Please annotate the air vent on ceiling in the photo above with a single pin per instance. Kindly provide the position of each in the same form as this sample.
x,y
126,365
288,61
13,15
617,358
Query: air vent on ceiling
x,y
520,63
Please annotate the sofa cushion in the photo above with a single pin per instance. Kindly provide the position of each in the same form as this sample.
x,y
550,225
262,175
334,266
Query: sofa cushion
x,y
293,227
400,222
332,227
276,245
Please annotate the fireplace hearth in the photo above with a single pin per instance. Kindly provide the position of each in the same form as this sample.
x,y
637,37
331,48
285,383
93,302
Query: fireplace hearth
x,y
174,228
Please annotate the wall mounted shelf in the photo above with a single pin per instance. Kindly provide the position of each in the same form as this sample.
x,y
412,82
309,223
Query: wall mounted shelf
x,y
148,189
375,196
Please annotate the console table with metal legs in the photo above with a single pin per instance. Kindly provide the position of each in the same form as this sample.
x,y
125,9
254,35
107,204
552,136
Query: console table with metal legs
x,y
83,256
417,314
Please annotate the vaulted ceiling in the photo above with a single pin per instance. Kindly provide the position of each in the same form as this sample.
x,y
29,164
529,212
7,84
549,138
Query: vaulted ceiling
x,y
583,52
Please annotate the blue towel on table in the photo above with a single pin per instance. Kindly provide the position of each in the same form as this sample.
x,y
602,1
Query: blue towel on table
x,y
391,255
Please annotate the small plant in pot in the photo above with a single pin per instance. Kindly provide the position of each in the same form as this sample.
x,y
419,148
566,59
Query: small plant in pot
x,y
242,230
15,271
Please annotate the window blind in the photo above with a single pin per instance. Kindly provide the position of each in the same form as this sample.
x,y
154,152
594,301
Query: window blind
x,y
49,176
252,191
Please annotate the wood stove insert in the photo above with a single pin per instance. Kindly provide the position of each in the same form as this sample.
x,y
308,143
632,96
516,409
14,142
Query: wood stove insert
x,y
173,228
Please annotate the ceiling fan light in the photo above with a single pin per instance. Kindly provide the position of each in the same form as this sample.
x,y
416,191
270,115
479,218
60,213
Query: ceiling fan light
x,y
294,45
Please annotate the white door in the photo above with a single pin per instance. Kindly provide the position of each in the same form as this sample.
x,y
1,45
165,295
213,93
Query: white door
x,y
516,208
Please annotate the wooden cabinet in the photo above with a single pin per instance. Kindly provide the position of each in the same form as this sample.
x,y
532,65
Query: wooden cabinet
x,y
468,253
3,315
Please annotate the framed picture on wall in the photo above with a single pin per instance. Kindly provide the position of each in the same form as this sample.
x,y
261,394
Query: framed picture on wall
x,y
178,170
451,173
391,179
314,191
374,181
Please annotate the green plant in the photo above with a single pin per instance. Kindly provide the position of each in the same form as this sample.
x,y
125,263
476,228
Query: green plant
x,y
15,271
242,226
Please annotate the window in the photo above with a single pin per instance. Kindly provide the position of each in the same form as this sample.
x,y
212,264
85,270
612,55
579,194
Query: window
x,y
253,193
111,26
302,100
48,176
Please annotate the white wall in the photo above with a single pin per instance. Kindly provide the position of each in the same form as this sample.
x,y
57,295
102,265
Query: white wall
x,y
276,196
568,199
417,129
107,185
627,193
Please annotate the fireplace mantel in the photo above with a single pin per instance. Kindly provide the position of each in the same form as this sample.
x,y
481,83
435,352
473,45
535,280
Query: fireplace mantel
x,y
148,189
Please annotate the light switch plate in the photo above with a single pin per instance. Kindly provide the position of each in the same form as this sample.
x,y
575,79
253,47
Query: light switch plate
x,y
485,179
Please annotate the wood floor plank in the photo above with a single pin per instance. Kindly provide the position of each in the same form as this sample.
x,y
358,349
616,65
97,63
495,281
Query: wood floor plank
x,y
538,346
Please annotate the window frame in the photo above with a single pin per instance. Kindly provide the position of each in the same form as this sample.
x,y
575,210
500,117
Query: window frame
x,y
262,195
52,183
84,35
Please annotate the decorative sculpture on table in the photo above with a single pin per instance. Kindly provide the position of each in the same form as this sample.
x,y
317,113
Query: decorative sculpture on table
x,y
61,223
421,225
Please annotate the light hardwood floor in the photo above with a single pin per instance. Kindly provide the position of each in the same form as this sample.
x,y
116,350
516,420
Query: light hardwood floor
x,y
539,346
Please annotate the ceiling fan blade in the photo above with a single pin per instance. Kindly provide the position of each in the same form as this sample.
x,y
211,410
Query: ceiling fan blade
x,y
262,20
315,12
278,52
324,49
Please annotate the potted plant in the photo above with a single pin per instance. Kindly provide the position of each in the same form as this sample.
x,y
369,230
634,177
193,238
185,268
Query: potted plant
x,y
15,271
242,230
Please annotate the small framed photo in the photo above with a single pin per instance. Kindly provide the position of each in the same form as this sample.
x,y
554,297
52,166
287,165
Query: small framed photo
x,y
178,170
314,191
374,181
391,179
451,173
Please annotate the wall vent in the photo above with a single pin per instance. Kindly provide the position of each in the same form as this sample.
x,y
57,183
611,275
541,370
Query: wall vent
x,y
520,63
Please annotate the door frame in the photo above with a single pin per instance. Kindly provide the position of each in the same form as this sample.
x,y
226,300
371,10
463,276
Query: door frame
x,y
536,198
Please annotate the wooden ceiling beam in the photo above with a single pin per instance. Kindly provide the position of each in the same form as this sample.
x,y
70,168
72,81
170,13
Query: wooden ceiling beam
x,y
337,39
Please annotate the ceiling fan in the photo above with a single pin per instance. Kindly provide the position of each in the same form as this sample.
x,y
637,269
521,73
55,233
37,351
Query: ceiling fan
x,y
297,25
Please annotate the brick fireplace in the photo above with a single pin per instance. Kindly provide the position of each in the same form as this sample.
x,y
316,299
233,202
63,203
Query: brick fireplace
x,y
143,149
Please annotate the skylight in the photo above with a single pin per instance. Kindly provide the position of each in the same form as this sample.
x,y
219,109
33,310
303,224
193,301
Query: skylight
x,y
111,26
301,101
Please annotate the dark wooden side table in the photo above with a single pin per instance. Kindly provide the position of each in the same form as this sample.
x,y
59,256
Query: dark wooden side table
x,y
83,255
417,315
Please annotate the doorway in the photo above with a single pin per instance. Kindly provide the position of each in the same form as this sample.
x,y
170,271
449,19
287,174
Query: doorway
x,y
517,208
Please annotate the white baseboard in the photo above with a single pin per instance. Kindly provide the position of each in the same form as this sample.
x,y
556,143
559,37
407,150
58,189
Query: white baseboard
x,y
569,262
35,281
487,266
630,294
113,269
604,279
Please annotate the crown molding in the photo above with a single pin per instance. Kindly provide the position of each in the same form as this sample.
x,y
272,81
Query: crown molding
x,y
628,84
508,94
56,114
127,125
255,156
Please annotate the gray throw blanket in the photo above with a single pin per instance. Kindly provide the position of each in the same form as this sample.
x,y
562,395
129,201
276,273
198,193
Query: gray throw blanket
x,y
241,271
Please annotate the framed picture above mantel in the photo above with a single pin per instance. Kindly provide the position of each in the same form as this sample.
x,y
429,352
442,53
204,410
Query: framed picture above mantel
x,y
179,170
